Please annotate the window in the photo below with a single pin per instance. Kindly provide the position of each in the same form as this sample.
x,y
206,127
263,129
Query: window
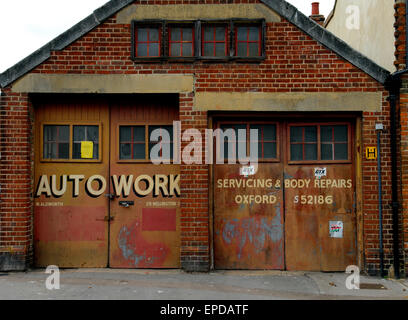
x,y
334,142
303,143
56,142
208,40
135,143
163,145
214,41
85,134
71,142
147,42
248,41
320,142
266,140
132,143
181,41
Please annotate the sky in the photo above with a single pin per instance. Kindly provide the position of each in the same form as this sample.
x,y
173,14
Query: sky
x,y
26,25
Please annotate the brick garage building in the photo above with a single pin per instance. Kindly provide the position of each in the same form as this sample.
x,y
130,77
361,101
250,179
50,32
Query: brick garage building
x,y
78,188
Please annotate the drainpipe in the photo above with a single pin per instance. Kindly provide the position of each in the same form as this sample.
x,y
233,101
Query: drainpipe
x,y
393,85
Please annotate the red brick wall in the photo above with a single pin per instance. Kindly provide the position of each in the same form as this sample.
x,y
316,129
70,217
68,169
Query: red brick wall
x,y
294,63
16,147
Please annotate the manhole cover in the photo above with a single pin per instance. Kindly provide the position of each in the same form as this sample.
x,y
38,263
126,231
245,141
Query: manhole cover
x,y
372,286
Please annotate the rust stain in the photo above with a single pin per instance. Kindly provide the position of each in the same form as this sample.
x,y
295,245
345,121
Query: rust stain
x,y
137,251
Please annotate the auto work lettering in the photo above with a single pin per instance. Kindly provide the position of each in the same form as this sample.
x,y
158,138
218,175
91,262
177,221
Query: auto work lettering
x,y
96,185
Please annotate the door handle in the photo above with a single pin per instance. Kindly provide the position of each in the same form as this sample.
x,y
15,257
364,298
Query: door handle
x,y
107,219
110,196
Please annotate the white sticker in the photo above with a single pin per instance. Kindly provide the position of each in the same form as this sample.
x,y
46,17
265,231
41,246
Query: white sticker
x,y
336,229
320,172
247,171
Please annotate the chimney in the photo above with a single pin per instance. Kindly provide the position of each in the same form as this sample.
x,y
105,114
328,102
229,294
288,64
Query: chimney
x,y
316,16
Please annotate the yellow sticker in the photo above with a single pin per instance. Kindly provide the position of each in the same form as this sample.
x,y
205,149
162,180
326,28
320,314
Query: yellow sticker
x,y
371,153
86,149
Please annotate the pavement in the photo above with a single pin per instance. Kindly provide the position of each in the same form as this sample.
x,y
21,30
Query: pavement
x,y
114,284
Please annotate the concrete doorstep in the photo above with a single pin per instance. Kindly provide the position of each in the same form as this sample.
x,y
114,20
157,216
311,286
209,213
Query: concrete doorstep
x,y
113,284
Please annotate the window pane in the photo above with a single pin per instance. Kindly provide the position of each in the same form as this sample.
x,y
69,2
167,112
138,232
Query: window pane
x,y
220,34
296,152
327,151
142,34
310,134
253,49
125,151
138,134
269,132
125,134
63,133
96,151
208,50
169,129
142,50
50,151
187,49
92,133
175,49
269,150
341,133
310,151
139,151
253,33
326,134
79,133
208,34
341,151
242,33
50,133
187,34
242,49
76,151
296,134
259,128
154,50
154,35
63,151
220,50
175,34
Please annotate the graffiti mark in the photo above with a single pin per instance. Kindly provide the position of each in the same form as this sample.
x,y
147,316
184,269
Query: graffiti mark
x,y
138,251
256,231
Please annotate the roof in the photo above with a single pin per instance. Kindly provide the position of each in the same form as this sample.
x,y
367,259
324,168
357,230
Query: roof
x,y
284,9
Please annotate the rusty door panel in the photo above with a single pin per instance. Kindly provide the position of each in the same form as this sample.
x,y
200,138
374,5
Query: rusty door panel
x,y
147,233
70,230
248,234
309,211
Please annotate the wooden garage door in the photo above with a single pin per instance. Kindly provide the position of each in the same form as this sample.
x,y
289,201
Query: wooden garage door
x,y
145,230
99,201
70,226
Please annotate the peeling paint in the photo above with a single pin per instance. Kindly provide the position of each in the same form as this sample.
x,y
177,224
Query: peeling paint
x,y
137,251
256,231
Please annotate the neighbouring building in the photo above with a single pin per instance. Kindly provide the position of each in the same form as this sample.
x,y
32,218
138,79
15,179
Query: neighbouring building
x,y
367,26
78,188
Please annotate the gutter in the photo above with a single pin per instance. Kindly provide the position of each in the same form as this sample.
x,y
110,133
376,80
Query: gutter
x,y
393,86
